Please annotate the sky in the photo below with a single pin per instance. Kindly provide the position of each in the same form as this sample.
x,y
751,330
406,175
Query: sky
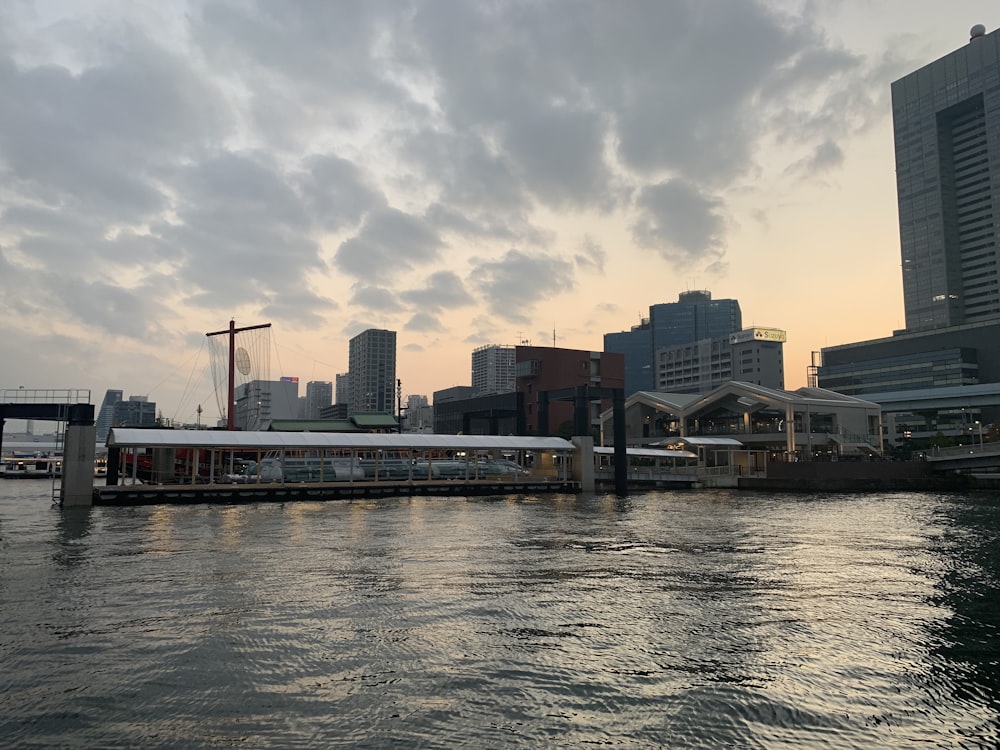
x,y
462,172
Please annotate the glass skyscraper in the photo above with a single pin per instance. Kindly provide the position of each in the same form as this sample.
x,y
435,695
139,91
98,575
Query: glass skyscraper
x,y
695,316
946,120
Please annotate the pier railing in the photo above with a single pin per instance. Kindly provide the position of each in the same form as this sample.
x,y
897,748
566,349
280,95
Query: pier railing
x,y
44,395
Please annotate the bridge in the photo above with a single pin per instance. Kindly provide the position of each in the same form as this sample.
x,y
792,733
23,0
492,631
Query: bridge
x,y
69,406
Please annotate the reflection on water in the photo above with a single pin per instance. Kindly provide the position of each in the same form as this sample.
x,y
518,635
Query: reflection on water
x,y
697,619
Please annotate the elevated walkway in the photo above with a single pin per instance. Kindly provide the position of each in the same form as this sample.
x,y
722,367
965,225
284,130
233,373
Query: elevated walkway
x,y
69,406
977,457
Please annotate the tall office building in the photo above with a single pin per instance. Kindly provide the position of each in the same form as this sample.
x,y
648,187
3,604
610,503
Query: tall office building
x,y
138,411
695,316
946,119
937,371
342,392
372,372
493,370
106,416
635,346
319,394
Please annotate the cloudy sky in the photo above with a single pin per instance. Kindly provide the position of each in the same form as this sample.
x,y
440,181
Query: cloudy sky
x,y
461,172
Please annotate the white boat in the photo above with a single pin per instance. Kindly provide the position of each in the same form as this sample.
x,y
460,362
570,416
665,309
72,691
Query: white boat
x,y
30,466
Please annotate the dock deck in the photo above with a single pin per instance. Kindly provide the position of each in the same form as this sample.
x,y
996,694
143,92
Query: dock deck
x,y
181,494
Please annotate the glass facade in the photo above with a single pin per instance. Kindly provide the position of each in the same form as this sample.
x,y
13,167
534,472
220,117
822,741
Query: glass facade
x,y
930,369
695,316
946,121
634,346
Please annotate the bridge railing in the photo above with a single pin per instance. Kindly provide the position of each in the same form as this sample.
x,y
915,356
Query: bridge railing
x,y
44,395
963,451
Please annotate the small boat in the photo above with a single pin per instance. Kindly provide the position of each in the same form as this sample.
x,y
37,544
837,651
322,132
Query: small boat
x,y
30,466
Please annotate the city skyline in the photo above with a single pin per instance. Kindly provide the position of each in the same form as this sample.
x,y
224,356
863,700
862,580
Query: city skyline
x,y
461,176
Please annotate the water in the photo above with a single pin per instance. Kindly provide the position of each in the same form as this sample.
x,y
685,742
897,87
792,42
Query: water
x,y
697,619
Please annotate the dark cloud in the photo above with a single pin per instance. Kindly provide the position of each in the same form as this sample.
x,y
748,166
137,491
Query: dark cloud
x,y
336,192
513,284
591,255
388,244
374,298
94,141
249,155
443,290
679,221
826,156
423,322
304,310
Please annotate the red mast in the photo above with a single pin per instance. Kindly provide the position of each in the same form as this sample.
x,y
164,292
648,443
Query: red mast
x,y
231,402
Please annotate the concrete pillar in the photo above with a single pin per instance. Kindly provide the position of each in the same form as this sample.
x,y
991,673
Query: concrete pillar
x,y
163,467
78,466
583,462
789,432
621,456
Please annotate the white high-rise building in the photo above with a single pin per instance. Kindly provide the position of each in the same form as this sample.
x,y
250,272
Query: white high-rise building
x,y
260,401
493,370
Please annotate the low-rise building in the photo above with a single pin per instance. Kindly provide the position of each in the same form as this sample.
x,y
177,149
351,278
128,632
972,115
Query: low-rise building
x,y
753,355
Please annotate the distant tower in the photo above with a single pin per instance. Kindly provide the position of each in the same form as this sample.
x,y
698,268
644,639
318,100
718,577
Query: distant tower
x,y
106,416
372,372
319,394
493,369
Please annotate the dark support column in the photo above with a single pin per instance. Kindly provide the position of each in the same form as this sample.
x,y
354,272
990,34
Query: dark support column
x,y
621,457
77,486
581,411
114,465
543,414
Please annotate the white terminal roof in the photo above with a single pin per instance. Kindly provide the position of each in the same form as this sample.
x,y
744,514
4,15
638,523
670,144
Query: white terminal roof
x,y
716,441
646,452
126,437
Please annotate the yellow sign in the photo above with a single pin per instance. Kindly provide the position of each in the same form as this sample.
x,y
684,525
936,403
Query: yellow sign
x,y
759,334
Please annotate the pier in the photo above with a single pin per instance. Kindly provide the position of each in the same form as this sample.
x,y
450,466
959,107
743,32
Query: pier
x,y
200,466
66,406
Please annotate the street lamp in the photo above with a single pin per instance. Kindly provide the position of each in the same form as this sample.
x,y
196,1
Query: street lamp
x,y
980,426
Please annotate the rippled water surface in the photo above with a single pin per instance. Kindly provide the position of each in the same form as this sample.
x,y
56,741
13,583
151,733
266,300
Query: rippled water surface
x,y
695,619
